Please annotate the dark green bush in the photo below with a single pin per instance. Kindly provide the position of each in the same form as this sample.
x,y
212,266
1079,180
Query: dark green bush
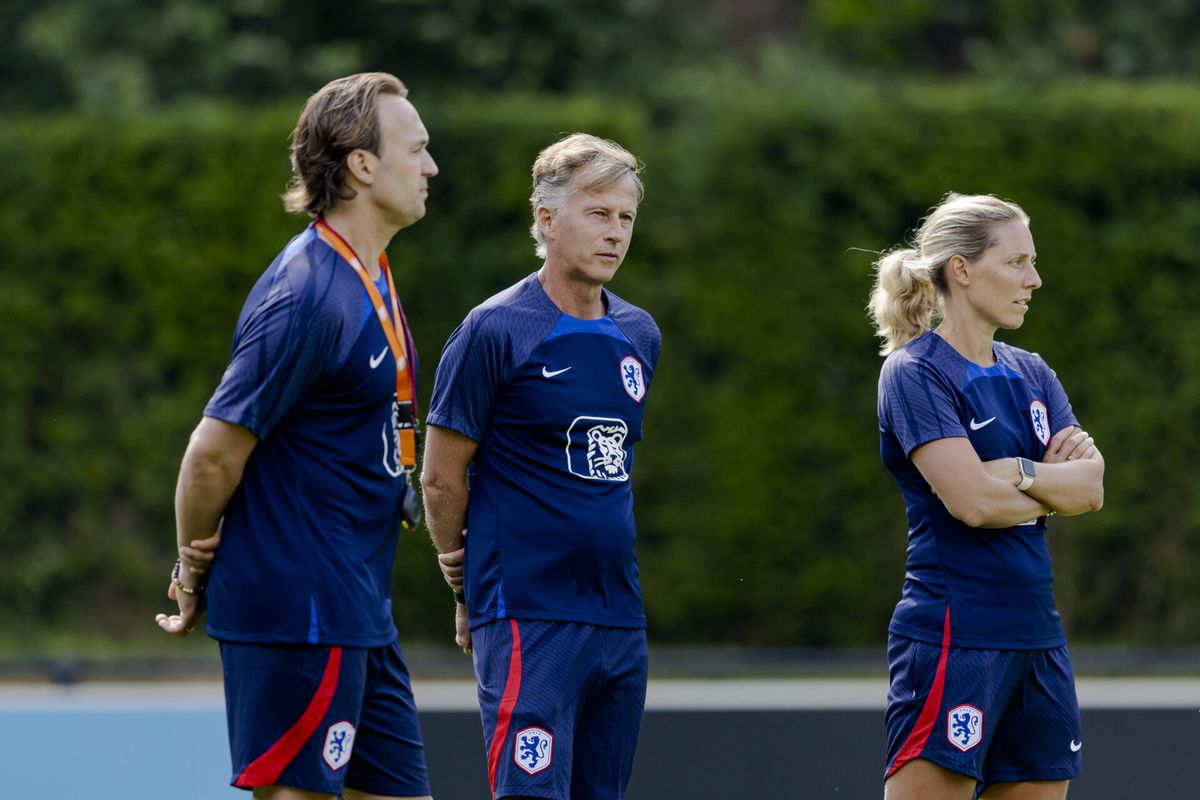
x,y
765,516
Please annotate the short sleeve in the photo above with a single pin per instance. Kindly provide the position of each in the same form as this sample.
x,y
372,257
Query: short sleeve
x,y
282,346
640,328
1058,405
917,404
469,377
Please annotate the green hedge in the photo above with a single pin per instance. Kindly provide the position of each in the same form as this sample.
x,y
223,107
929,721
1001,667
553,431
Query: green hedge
x,y
765,516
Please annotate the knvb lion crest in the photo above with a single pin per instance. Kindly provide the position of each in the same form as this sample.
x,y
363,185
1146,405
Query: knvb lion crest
x,y
596,448
964,727
632,379
1041,421
339,742
533,750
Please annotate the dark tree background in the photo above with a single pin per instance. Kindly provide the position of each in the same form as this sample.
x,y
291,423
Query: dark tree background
x,y
143,147
129,54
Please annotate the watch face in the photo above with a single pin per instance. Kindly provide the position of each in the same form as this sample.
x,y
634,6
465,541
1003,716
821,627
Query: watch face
x,y
1026,467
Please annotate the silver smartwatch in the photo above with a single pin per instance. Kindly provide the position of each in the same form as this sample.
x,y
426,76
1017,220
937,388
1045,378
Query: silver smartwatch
x,y
1028,473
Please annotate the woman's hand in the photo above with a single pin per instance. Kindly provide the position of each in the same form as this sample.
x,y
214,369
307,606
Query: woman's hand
x,y
1005,469
1070,444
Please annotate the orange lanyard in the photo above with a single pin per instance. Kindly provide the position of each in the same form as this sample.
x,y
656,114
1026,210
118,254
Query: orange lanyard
x,y
394,329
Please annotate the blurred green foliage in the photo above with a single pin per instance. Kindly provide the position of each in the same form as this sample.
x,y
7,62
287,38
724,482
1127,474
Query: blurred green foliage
x,y
765,516
102,55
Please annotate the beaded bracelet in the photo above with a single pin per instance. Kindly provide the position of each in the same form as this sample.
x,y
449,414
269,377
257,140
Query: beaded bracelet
x,y
198,589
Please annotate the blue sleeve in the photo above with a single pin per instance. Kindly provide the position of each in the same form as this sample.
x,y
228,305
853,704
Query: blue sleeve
x,y
917,404
1058,405
283,344
469,376
641,330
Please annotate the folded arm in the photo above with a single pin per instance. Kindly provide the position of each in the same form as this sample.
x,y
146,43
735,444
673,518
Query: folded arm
x,y
1070,476
971,492
984,494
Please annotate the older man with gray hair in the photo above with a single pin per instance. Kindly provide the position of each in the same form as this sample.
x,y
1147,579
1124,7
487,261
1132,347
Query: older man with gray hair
x,y
539,396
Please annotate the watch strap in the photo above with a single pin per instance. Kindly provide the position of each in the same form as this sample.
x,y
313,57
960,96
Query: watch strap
x,y
1028,474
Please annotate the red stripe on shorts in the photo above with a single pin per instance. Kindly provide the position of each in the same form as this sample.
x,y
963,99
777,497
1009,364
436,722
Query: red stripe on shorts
x,y
266,769
512,689
916,740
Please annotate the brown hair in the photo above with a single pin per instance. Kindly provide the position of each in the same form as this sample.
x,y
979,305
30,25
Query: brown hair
x,y
340,118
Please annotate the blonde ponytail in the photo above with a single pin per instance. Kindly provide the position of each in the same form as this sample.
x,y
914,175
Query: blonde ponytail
x,y
903,300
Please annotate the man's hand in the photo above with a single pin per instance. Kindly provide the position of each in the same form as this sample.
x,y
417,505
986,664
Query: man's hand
x,y
198,556
462,634
191,607
1070,444
195,560
451,565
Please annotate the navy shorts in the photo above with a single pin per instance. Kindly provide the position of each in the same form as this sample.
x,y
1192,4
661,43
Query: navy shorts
x,y
999,716
323,718
562,706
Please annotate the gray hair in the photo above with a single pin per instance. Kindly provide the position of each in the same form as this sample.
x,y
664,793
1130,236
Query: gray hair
x,y
598,164
910,282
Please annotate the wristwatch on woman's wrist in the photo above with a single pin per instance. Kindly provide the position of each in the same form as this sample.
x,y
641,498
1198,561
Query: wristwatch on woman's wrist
x,y
1028,473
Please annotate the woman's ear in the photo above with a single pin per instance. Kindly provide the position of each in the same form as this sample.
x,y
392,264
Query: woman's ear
x,y
957,270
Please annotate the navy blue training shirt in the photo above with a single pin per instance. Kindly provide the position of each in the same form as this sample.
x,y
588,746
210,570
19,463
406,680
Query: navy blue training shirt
x,y
555,403
996,583
309,538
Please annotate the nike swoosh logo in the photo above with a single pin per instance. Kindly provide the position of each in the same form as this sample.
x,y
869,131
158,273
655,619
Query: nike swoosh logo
x,y
377,360
546,373
1076,745
977,425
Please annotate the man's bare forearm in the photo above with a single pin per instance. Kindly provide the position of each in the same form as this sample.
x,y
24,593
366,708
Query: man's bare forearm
x,y
209,475
444,486
445,512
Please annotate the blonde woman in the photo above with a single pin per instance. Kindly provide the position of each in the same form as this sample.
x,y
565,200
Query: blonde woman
x,y
982,441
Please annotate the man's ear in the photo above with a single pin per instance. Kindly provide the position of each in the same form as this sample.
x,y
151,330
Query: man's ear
x,y
360,165
545,220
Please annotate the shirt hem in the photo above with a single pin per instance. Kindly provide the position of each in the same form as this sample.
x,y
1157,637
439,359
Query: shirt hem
x,y
330,640
444,421
224,414
632,623
935,638
933,436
